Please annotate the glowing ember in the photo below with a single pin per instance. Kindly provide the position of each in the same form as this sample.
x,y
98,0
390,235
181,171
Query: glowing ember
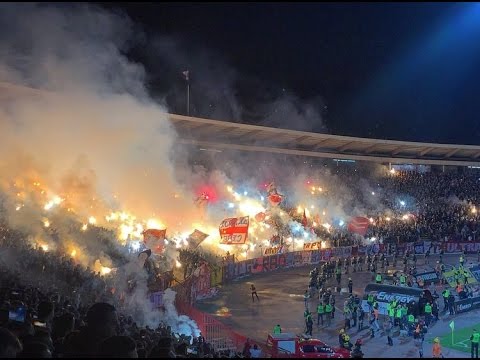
x,y
178,264
73,253
84,227
92,220
155,224
44,247
105,270
55,201
474,210
46,223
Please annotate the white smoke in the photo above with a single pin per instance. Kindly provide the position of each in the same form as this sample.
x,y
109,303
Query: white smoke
x,y
180,323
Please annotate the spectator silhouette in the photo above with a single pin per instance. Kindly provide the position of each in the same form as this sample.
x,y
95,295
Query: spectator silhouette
x,y
102,323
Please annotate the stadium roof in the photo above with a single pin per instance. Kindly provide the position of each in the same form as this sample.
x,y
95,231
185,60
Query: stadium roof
x,y
213,134
222,135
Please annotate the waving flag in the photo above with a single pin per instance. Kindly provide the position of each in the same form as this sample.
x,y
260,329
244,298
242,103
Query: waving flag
x,y
358,225
234,231
275,199
304,219
153,239
260,216
195,238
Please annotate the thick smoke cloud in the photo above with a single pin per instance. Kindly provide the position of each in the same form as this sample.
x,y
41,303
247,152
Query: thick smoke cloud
x,y
96,130
91,135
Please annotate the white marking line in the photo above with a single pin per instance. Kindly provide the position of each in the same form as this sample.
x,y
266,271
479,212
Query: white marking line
x,y
463,345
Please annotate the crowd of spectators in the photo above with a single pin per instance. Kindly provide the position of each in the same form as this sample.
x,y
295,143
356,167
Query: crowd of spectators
x,y
407,206
53,307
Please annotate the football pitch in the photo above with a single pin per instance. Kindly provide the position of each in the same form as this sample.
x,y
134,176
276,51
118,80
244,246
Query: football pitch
x,y
461,339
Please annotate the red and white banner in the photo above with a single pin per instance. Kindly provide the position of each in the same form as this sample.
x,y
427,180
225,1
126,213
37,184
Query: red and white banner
x,y
234,231
358,225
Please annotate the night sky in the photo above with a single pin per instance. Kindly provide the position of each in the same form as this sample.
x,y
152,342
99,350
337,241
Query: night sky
x,y
394,70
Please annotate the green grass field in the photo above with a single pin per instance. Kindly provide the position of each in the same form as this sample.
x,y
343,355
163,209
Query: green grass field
x,y
461,338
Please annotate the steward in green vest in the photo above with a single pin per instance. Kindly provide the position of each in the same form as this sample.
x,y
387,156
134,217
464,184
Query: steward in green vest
x,y
328,313
428,308
475,338
403,279
308,318
328,309
378,278
398,314
411,319
391,312
277,329
445,295
370,299
428,314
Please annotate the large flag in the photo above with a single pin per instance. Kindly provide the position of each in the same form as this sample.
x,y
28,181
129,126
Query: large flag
x,y
234,231
304,219
452,325
260,216
186,75
195,238
154,239
275,199
358,225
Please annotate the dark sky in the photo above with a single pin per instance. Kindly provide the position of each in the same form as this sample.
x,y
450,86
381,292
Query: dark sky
x,y
402,71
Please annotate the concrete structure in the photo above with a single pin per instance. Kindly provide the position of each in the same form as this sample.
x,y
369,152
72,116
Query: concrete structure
x,y
220,135
213,134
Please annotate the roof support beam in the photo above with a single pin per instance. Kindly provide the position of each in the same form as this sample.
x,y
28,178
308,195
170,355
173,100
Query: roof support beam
x,y
425,151
247,135
327,155
298,140
451,153
398,150
369,149
346,146
319,144
477,155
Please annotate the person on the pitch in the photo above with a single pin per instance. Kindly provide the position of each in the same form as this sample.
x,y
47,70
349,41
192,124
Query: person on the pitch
x,y
254,292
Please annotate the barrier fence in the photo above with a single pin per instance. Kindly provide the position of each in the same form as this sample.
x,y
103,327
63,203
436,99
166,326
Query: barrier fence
x,y
219,335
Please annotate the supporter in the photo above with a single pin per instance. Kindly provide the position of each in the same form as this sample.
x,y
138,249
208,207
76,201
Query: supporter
x,y
102,323
10,346
45,315
163,349
35,349
118,347
255,352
